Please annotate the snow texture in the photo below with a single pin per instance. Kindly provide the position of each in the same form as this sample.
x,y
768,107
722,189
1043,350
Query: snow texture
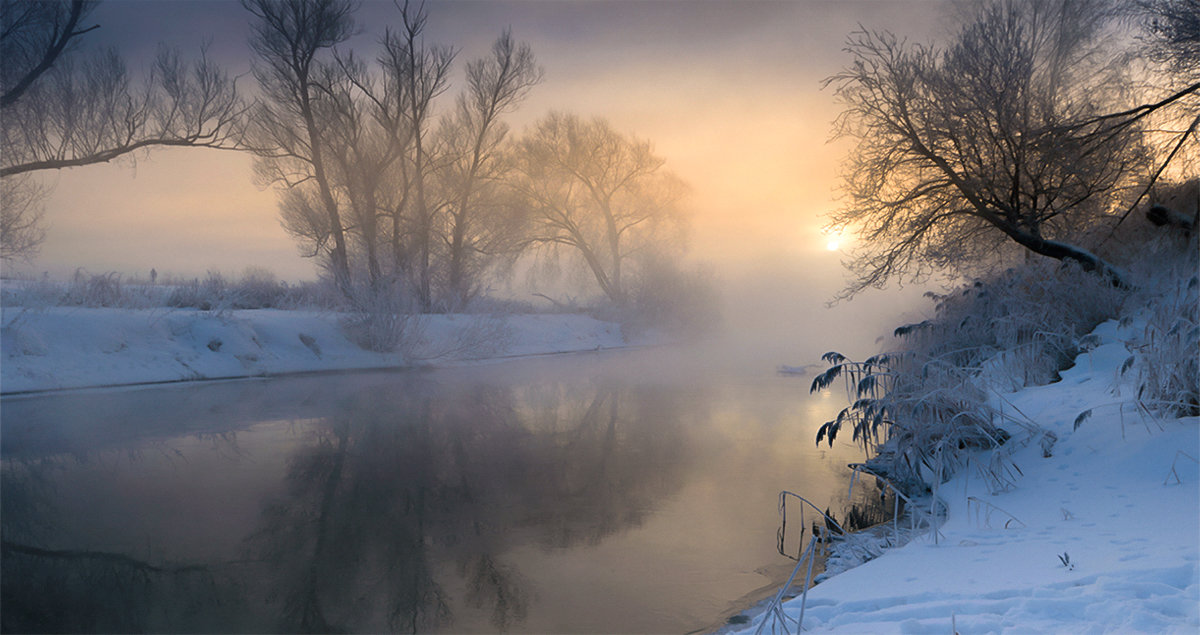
x,y
63,347
1099,537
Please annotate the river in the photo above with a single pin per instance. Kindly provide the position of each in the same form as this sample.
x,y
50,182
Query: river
x,y
616,492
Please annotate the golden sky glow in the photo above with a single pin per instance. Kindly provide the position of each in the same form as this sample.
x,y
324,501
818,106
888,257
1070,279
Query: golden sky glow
x,y
729,93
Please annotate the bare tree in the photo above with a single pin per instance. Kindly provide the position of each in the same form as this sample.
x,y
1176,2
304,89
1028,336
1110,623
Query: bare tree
x,y
596,192
416,74
478,220
287,132
363,152
1008,136
58,111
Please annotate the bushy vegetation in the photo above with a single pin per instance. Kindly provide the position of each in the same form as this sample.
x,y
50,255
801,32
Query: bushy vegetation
x,y
381,320
256,288
921,408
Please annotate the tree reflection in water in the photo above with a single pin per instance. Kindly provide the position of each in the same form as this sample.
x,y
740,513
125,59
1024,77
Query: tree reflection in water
x,y
384,496
81,590
397,508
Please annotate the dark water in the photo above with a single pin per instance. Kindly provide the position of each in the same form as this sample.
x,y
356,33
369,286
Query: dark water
x,y
626,492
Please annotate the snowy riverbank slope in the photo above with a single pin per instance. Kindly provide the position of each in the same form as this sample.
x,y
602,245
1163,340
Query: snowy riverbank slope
x,y
66,347
1118,499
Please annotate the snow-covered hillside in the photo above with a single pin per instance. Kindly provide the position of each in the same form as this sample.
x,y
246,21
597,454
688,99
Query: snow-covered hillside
x,y
1102,535
64,347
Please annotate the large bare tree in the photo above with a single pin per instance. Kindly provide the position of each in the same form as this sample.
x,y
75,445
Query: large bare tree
x,y
416,74
479,222
1010,135
291,39
364,151
595,192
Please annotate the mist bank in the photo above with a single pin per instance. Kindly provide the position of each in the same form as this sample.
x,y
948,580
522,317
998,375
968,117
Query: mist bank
x,y
66,347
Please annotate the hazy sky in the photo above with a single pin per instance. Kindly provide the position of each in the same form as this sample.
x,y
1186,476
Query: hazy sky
x,y
728,92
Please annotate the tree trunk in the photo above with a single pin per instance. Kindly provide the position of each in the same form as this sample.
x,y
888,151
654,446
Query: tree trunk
x,y
1062,251
340,260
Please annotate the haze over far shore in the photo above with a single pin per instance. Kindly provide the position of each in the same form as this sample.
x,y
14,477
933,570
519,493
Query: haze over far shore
x,y
728,93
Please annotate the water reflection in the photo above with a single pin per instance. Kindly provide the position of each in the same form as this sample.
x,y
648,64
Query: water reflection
x,y
395,509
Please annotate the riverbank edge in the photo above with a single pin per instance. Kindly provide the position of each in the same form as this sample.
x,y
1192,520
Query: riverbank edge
x,y
1091,382
321,372
70,349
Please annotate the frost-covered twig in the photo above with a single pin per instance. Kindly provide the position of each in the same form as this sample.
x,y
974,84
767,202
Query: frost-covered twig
x,y
775,613
1174,473
987,519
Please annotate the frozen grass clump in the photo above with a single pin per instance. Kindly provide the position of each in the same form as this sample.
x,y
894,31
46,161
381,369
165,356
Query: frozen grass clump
x,y
916,416
1018,328
920,411
1165,357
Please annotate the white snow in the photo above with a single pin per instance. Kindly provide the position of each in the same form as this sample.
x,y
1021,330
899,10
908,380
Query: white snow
x,y
65,347
1119,499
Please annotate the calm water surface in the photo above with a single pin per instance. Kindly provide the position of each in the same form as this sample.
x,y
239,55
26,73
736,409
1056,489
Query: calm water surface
x,y
618,492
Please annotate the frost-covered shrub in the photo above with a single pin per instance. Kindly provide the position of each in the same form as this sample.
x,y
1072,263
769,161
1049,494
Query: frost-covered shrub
x,y
921,409
382,319
99,290
1019,327
321,294
258,289
916,415
211,294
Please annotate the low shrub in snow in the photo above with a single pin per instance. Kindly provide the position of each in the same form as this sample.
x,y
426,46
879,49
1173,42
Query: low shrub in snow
x,y
382,319
207,295
101,290
257,289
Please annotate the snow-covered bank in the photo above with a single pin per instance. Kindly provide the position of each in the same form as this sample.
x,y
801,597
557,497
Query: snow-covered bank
x,y
65,347
1102,535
